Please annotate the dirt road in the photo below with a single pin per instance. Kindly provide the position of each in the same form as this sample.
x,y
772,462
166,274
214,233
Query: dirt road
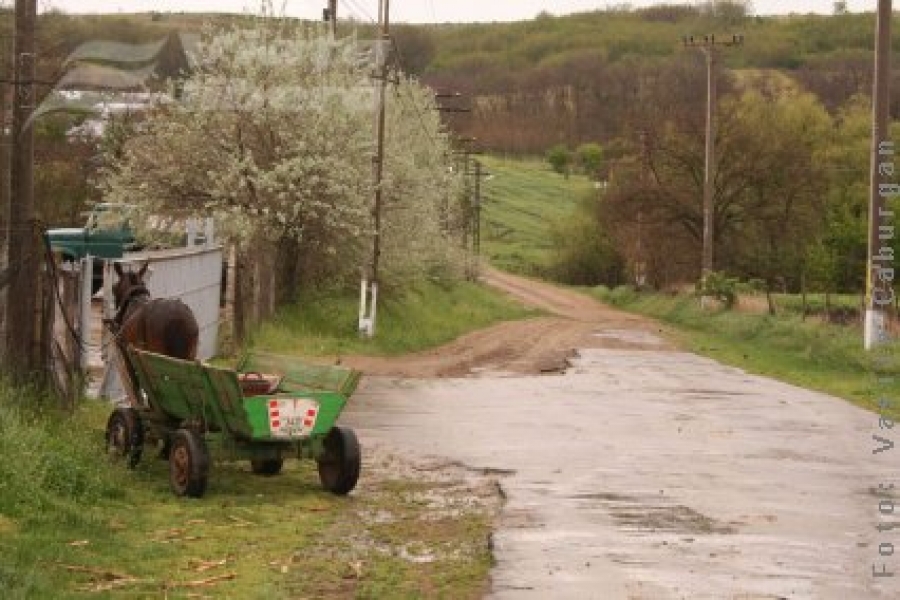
x,y
642,472
529,347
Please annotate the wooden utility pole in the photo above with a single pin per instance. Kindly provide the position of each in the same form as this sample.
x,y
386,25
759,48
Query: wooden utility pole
x,y
879,289
369,288
332,17
5,53
480,175
709,45
22,330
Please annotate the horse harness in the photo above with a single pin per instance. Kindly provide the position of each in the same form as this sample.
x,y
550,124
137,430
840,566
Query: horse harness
x,y
137,298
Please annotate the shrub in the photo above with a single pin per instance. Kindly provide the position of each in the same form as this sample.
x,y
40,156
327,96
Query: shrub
x,y
719,286
560,159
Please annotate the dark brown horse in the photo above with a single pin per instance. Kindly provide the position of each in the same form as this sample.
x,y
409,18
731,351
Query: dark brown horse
x,y
163,325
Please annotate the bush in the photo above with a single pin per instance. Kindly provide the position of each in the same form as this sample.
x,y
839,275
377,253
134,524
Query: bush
x,y
560,159
721,287
622,295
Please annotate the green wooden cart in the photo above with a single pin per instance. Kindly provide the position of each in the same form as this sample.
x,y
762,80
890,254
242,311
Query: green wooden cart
x,y
184,408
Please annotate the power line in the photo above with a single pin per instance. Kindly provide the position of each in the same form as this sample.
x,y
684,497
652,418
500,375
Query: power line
x,y
399,66
354,7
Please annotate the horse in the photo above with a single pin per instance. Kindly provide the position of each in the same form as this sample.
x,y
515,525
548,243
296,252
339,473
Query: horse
x,y
163,325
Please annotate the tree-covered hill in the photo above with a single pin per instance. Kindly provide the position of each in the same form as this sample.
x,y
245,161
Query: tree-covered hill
x,y
793,135
576,78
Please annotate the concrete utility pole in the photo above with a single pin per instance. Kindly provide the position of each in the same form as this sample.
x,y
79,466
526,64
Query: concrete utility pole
x,y
369,288
21,342
709,45
880,267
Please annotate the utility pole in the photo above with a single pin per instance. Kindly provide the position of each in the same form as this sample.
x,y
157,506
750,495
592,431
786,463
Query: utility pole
x,y
369,287
5,74
480,175
21,353
331,17
880,268
709,45
476,222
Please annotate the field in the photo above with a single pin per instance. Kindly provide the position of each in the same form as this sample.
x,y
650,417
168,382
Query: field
x,y
522,199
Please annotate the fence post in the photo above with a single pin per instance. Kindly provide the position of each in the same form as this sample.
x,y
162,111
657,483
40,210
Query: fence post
x,y
84,310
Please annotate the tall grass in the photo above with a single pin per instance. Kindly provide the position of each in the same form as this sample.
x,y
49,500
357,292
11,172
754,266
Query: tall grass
x,y
424,315
52,480
49,470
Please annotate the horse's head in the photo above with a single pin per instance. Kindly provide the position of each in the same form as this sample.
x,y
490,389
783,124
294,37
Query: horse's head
x,y
130,284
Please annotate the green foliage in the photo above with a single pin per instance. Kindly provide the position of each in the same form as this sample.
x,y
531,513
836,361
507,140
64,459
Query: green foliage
x,y
49,472
417,317
522,201
776,158
560,159
590,160
584,252
719,286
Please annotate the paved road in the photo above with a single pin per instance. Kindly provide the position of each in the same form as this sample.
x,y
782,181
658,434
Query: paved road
x,y
647,473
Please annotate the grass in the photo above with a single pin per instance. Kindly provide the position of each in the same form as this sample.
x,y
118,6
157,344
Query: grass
x,y
425,315
521,201
809,353
72,524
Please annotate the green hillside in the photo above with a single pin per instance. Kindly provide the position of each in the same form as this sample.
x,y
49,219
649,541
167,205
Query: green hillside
x,y
522,201
771,42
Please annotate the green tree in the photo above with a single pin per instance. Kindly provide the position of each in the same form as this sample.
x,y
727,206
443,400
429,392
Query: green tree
x,y
590,160
584,252
560,159
768,189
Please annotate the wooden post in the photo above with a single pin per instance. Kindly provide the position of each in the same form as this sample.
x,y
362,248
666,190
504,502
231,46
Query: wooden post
x,y
332,17
23,255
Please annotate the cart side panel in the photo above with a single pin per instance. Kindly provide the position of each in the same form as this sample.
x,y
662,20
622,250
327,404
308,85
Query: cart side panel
x,y
230,400
266,414
300,376
181,389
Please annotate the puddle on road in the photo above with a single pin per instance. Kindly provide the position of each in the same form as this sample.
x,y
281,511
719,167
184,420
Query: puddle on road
x,y
650,515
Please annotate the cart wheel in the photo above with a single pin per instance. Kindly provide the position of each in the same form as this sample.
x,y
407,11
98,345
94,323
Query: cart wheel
x,y
267,467
339,464
188,464
125,435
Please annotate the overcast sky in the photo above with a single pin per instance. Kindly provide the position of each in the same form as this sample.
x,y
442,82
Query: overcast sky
x,y
421,11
